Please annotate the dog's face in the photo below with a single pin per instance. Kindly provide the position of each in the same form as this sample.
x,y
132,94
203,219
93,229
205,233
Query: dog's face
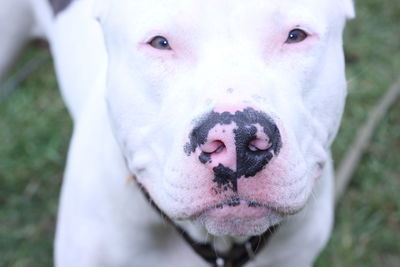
x,y
225,110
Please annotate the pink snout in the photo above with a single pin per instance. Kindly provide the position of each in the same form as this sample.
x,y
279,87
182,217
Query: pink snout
x,y
221,148
235,144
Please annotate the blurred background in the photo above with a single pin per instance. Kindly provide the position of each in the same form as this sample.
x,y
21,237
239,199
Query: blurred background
x,y
35,130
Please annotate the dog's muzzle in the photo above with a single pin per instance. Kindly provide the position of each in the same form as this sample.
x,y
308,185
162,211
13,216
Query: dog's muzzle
x,y
234,144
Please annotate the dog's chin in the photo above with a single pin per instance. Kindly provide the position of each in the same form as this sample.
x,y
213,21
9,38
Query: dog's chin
x,y
240,220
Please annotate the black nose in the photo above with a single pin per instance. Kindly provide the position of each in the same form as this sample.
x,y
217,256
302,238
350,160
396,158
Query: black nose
x,y
256,139
253,151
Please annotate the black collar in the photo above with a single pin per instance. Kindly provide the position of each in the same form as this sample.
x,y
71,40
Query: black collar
x,y
237,256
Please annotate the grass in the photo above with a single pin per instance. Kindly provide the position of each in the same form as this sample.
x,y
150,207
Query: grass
x,y
367,230
35,129
34,132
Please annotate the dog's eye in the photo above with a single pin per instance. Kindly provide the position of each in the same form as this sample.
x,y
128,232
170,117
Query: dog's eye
x,y
296,36
160,42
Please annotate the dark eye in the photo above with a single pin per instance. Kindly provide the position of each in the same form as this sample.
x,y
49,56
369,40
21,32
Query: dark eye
x,y
296,36
160,42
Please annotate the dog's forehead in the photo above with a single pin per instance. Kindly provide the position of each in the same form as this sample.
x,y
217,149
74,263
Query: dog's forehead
x,y
220,9
223,4
215,17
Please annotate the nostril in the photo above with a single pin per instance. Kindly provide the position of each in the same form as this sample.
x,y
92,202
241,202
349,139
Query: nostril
x,y
216,146
220,148
258,144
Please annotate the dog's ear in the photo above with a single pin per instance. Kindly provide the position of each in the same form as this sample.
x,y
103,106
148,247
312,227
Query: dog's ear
x,y
348,6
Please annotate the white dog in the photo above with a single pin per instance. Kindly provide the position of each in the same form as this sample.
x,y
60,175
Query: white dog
x,y
223,111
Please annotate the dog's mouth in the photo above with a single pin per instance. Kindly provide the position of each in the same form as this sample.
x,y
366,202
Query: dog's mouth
x,y
233,217
238,217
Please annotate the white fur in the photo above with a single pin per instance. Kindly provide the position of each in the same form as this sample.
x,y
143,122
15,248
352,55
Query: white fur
x,y
349,9
133,108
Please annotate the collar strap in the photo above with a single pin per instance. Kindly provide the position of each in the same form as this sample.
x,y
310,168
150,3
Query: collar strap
x,y
237,256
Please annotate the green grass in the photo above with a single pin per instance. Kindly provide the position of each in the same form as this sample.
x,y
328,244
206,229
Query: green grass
x,y
34,133
35,129
367,230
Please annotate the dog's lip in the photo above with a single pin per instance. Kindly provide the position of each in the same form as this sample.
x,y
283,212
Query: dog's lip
x,y
238,217
241,210
239,207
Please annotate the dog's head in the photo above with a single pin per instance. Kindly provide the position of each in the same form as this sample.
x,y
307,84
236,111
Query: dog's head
x,y
225,110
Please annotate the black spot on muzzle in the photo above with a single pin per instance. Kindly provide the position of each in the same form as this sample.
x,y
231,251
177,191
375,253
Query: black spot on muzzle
x,y
249,162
